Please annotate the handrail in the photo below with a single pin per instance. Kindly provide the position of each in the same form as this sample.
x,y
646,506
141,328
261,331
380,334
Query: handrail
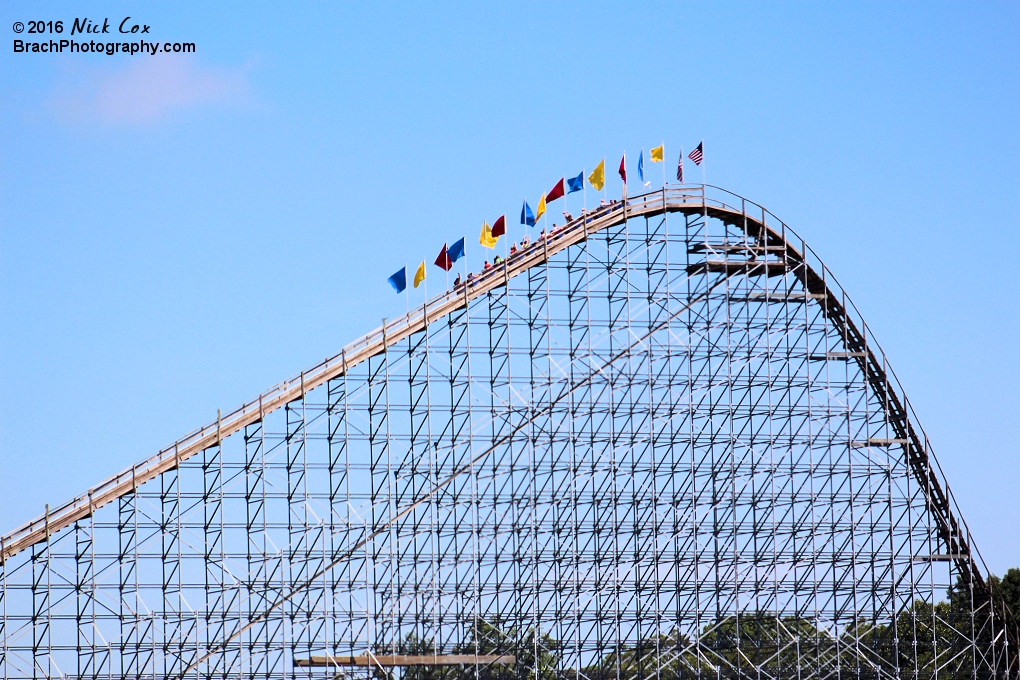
x,y
688,199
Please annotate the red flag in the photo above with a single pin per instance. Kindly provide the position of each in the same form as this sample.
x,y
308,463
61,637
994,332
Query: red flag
x,y
443,261
623,168
499,227
556,192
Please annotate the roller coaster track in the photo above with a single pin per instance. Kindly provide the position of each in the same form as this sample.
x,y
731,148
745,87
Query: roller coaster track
x,y
775,251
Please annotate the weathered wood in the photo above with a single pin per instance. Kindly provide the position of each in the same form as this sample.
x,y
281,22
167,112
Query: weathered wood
x,y
878,442
748,267
407,660
654,203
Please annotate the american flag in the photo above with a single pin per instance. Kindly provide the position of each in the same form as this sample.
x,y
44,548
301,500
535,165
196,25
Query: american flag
x,y
680,168
697,155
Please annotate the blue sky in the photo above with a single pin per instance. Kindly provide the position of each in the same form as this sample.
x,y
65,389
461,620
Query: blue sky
x,y
179,233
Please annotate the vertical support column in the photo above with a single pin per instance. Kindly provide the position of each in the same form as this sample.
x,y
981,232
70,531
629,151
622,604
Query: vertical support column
x,y
614,422
380,567
216,606
338,626
674,400
499,465
299,536
453,449
135,623
42,666
581,511
695,364
171,637
3,613
416,479
93,657
655,428
258,642
536,453
84,606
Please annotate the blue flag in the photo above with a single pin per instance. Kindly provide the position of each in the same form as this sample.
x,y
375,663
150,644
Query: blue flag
x,y
575,183
641,165
399,280
456,251
527,217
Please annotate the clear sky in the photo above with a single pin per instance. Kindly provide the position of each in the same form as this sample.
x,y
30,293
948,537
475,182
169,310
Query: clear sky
x,y
178,233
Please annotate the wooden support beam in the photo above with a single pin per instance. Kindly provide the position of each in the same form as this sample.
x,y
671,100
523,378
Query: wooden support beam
x,y
878,442
838,356
748,267
390,661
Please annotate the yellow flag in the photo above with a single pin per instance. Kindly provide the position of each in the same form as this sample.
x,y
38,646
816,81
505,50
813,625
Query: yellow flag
x,y
540,210
657,153
487,239
597,178
419,275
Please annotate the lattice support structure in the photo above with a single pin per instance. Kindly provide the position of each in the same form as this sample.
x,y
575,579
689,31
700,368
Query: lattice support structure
x,y
658,443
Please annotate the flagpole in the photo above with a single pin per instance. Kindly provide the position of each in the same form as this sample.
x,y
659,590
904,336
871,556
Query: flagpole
x,y
624,192
525,219
407,293
545,216
584,200
663,145
702,145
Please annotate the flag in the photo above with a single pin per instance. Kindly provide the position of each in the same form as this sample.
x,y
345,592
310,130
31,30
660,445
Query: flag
x,y
443,261
623,168
575,183
399,280
419,275
680,167
597,178
658,153
540,210
456,251
499,226
487,239
526,216
556,192
641,167
698,154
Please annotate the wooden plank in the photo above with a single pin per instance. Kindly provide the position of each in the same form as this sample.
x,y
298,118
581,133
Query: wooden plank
x,y
837,356
749,267
878,442
390,661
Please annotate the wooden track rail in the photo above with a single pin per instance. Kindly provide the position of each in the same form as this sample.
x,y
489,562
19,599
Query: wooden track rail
x,y
773,242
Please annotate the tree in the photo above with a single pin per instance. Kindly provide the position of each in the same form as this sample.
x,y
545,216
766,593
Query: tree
x,y
1008,588
537,655
749,645
664,657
